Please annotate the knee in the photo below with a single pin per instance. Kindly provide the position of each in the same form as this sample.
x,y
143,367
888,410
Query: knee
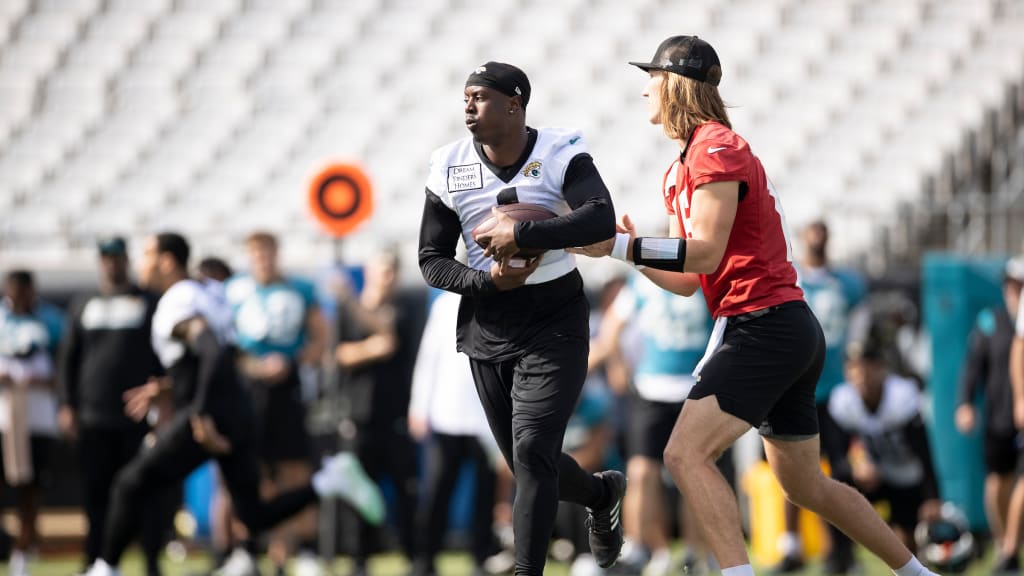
x,y
536,455
642,469
683,456
807,492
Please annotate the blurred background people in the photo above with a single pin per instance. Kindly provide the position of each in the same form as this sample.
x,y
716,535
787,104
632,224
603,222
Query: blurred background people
x,y
445,414
107,351
30,331
986,374
280,329
671,334
379,333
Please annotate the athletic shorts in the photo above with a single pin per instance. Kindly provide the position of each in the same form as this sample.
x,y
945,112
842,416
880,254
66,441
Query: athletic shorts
x,y
650,425
1000,453
904,504
766,369
40,447
281,434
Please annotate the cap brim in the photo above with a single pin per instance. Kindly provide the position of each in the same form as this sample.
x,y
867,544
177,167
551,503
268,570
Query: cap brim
x,y
646,66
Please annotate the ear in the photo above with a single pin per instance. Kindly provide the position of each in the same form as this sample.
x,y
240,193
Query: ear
x,y
515,104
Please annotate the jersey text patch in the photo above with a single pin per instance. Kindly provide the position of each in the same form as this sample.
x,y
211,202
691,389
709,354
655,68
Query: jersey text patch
x,y
465,177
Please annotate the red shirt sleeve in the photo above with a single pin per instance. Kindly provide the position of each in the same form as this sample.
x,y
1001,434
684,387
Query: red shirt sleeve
x,y
718,157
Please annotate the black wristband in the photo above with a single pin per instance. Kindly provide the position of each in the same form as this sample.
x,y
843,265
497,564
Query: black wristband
x,y
661,253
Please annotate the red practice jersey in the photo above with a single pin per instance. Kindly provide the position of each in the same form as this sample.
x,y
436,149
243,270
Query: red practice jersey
x,y
757,268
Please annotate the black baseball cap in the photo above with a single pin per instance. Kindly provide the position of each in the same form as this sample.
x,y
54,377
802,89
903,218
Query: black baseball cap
x,y
687,56
504,78
113,246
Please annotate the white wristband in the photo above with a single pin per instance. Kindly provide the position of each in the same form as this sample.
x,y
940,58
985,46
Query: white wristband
x,y
621,247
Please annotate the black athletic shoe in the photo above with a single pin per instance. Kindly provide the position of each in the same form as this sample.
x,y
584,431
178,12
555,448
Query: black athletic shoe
x,y
604,525
788,565
1005,565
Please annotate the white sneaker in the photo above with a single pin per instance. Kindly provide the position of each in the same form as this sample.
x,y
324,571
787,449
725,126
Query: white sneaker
x,y
660,563
306,564
585,565
18,563
342,476
100,568
239,563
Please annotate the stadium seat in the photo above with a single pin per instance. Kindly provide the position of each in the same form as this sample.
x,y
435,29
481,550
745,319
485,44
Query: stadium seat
x,y
153,104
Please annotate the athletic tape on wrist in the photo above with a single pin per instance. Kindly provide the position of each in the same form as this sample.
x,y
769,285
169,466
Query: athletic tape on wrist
x,y
661,253
620,248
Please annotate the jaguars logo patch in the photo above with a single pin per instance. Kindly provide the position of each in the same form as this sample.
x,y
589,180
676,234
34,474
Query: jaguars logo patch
x,y
532,170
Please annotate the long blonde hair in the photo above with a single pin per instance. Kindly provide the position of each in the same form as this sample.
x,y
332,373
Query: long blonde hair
x,y
687,103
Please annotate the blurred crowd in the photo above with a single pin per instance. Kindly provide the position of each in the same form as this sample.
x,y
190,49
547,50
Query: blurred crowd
x,y
373,356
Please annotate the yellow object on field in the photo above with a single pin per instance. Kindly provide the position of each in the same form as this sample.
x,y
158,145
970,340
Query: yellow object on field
x,y
767,520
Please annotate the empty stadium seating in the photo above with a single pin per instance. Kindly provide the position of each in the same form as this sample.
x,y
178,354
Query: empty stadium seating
x,y
210,115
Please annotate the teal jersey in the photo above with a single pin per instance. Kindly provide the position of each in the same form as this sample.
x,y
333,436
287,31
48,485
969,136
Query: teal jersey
x,y
832,295
272,318
22,335
674,330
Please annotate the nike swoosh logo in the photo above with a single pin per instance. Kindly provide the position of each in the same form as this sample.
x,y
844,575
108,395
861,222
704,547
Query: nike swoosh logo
x,y
713,150
574,140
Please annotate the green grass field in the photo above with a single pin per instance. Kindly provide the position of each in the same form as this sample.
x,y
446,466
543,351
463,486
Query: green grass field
x,y
452,564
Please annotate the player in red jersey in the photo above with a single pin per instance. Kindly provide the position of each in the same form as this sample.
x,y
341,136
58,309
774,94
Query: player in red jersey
x,y
728,237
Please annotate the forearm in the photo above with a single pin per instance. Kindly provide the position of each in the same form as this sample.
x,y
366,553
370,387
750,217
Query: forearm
x,y
449,274
208,350
918,438
592,222
373,349
683,284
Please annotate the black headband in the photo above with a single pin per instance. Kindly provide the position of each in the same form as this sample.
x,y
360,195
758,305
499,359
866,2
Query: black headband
x,y
504,78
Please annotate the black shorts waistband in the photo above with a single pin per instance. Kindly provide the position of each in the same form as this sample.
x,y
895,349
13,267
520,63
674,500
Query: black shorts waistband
x,y
741,318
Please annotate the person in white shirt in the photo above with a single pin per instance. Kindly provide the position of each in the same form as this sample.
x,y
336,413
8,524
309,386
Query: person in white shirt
x,y
445,413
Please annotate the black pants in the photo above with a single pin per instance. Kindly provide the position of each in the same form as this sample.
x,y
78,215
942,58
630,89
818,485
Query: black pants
x,y
102,453
173,456
445,455
386,450
528,401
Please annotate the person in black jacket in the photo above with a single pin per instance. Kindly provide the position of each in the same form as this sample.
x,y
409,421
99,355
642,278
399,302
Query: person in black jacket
x,y
106,352
987,372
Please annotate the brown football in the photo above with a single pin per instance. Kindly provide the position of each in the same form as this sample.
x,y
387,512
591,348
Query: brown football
x,y
520,212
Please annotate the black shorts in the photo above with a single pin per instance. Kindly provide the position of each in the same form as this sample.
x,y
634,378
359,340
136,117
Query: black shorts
x,y
904,504
281,434
1000,453
40,447
649,427
766,369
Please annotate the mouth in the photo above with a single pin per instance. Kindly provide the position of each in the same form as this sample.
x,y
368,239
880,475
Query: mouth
x,y
471,122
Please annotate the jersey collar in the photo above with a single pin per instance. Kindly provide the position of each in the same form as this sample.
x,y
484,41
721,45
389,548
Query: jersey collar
x,y
507,173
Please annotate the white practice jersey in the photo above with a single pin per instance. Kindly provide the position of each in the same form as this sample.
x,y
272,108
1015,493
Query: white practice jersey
x,y
466,184
185,300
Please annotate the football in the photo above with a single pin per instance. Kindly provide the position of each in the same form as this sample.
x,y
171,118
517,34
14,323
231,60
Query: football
x,y
519,212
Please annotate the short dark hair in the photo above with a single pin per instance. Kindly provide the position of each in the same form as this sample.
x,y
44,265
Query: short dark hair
x,y
22,278
216,268
174,244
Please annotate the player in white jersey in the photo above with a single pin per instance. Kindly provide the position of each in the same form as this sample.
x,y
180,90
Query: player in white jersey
x,y
192,335
525,329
